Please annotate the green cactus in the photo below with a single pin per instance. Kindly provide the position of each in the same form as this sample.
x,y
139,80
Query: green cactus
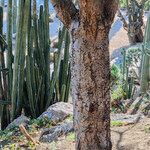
x,y
30,85
9,49
145,65
124,63
47,50
14,15
68,85
4,111
127,79
57,67
19,62
65,66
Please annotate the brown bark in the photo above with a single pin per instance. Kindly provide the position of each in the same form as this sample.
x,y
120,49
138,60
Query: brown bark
x,y
66,11
90,72
90,92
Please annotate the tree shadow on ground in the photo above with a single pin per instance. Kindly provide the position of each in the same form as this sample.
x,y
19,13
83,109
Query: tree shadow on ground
x,y
121,134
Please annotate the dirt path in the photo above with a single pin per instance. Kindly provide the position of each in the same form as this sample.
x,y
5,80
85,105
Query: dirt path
x,y
118,40
118,36
131,137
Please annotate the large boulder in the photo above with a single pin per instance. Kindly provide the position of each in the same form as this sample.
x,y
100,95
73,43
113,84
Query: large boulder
x,y
57,112
20,120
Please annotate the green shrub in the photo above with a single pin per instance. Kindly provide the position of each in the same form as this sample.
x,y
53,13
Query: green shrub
x,y
71,136
118,93
122,3
115,73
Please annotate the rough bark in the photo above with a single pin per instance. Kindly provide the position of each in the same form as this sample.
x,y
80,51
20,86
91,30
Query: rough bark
x,y
90,72
66,10
90,92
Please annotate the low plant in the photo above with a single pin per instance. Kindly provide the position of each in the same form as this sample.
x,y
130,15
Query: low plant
x,y
118,93
115,73
116,123
39,123
122,3
70,136
147,129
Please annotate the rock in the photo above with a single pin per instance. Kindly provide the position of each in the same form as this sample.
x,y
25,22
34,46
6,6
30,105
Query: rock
x,y
57,112
133,109
124,118
20,120
52,134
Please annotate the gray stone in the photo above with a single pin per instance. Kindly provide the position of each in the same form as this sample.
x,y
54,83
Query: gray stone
x,y
52,134
20,120
124,118
57,112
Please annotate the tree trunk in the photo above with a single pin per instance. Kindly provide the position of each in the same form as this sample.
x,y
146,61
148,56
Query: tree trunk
x,y
137,38
89,28
90,92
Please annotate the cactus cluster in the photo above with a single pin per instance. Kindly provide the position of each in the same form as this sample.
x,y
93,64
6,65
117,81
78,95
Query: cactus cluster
x,y
134,22
127,79
31,86
142,74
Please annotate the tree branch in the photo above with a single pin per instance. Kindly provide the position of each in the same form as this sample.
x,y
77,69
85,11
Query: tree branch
x,y
97,10
90,10
110,9
66,11
26,134
125,25
96,15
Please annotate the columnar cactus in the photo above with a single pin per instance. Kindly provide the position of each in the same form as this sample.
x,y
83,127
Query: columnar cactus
x,y
30,85
145,64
